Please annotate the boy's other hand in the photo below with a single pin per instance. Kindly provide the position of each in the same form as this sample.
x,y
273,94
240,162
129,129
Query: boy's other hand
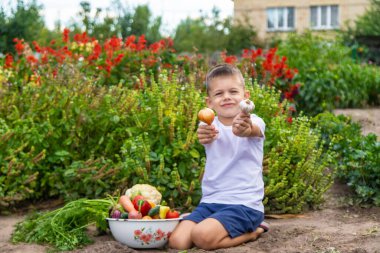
x,y
207,133
242,125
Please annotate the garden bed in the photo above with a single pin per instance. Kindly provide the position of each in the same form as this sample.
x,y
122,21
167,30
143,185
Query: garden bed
x,y
336,227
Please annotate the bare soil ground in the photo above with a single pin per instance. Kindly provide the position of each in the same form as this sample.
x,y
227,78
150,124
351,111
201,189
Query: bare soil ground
x,y
337,227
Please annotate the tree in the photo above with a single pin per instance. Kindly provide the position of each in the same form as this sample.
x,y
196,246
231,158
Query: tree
x,y
204,34
127,22
241,35
369,23
141,24
25,22
210,34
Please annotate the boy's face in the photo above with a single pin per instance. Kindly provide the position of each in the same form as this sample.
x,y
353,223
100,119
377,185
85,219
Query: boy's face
x,y
224,96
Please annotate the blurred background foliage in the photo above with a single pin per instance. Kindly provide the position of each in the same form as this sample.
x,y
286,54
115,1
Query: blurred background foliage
x,y
212,32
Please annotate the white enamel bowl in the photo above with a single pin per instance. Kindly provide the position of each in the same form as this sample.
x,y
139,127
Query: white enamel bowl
x,y
142,233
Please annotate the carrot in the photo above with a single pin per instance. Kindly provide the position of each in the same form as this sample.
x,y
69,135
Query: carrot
x,y
126,203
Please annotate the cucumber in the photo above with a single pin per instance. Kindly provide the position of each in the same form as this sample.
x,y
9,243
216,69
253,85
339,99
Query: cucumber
x,y
124,215
154,211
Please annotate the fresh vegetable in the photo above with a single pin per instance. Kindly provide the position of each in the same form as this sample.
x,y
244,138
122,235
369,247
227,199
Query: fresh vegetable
x,y
151,203
124,215
149,192
65,227
126,203
172,214
116,209
116,214
134,215
206,115
136,199
247,106
163,211
154,211
144,207
147,217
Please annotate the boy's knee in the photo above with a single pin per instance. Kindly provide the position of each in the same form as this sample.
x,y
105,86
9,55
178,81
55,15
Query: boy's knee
x,y
202,239
178,242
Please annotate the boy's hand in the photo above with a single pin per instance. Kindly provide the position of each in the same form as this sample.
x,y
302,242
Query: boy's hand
x,y
242,126
206,133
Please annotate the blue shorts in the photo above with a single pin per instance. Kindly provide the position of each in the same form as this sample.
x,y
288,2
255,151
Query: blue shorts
x,y
236,219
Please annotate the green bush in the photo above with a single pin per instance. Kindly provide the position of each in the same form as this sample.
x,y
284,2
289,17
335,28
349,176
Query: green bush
x,y
73,139
296,168
357,157
331,78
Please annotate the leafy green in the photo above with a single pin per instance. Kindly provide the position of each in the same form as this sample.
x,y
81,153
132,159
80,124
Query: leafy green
x,y
65,228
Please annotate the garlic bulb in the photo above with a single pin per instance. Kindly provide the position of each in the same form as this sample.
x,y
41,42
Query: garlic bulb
x,y
247,106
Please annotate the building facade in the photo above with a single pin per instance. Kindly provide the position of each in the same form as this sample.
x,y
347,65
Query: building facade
x,y
278,18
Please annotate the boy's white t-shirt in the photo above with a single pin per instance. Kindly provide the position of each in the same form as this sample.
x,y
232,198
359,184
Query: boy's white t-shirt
x,y
233,173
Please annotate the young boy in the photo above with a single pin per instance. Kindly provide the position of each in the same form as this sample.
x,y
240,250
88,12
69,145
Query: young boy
x,y
231,211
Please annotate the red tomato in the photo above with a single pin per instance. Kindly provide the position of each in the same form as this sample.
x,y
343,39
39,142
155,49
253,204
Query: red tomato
x,y
172,214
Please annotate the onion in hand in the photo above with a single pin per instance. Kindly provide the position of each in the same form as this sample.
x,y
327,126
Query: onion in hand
x,y
206,115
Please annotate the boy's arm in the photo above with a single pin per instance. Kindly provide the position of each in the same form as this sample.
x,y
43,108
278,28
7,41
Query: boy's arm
x,y
255,131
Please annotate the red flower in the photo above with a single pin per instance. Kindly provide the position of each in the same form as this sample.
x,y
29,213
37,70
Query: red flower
x,y
65,35
77,37
8,61
289,120
155,47
118,59
231,59
114,43
19,45
289,74
288,95
31,59
44,58
138,232
36,47
130,40
141,43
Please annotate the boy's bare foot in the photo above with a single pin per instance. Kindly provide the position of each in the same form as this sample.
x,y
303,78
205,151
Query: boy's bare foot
x,y
264,227
256,234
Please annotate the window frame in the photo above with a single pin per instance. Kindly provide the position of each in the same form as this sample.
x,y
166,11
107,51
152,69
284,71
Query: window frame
x,y
276,27
329,18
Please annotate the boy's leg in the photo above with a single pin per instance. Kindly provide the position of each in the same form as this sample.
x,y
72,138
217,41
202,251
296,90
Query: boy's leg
x,y
180,239
210,234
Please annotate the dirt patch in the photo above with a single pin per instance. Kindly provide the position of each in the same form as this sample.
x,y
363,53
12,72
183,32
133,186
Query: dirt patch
x,y
369,119
336,227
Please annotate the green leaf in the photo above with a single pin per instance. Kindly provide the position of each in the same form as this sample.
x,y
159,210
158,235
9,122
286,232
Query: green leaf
x,y
194,153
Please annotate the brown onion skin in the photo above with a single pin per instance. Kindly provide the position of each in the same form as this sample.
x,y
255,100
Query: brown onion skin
x,y
206,115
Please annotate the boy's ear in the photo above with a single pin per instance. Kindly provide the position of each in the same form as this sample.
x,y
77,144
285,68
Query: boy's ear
x,y
247,94
208,101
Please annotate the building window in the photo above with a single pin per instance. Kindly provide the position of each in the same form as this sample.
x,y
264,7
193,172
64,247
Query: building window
x,y
324,17
280,19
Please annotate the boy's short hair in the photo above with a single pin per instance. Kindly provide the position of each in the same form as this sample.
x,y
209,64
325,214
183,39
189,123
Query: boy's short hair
x,y
224,69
